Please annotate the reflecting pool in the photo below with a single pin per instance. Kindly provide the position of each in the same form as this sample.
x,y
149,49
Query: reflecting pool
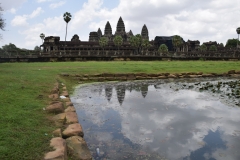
x,y
161,119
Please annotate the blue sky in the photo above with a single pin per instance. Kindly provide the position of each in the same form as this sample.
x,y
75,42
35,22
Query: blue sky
x,y
205,20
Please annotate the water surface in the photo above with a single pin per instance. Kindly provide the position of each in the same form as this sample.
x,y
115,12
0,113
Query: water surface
x,y
158,120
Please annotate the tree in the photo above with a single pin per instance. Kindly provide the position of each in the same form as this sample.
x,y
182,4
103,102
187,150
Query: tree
x,y
163,48
177,41
136,41
42,36
221,45
2,21
212,48
238,32
67,18
146,44
232,43
118,41
1,52
36,48
103,41
203,48
133,41
10,49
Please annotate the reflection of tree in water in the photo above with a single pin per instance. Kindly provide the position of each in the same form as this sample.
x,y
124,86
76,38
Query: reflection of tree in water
x,y
108,92
117,149
120,89
144,90
129,87
100,90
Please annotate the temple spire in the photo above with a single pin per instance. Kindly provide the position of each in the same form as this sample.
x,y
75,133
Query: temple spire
x,y
99,32
144,32
108,29
120,26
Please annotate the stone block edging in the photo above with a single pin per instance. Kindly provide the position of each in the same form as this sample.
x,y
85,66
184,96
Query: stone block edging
x,y
68,139
143,76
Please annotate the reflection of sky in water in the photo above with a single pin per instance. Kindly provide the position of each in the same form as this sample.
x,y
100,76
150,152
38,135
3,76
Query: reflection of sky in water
x,y
134,120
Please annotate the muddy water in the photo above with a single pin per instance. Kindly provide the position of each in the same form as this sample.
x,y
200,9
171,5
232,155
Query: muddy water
x,y
161,119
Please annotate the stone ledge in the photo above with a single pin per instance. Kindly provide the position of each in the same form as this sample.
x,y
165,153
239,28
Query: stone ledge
x,y
73,130
55,108
60,150
78,149
143,76
70,109
60,119
71,117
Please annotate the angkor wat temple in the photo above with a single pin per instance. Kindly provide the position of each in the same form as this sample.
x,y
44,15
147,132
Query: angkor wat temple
x,y
54,48
76,46
53,44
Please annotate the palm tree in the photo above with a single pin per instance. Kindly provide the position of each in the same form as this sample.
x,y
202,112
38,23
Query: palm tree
x,y
103,41
118,41
203,47
177,41
136,42
163,48
139,42
67,18
238,32
42,36
146,44
133,41
212,48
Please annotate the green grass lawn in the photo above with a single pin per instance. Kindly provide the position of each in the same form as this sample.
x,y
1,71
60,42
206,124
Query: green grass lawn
x,y
25,130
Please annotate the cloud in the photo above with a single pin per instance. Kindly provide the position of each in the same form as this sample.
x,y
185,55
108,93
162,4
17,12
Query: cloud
x,y
9,4
56,5
36,12
40,1
49,26
22,20
19,21
190,19
12,10
172,124
56,23
205,20
80,18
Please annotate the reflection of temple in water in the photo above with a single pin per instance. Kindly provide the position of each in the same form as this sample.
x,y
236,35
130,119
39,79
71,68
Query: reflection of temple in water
x,y
129,87
108,92
120,89
144,90
100,90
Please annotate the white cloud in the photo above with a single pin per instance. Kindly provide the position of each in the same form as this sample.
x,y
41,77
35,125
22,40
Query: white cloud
x,y
40,1
88,13
12,10
19,21
205,20
9,4
56,23
36,12
22,20
56,5
50,27
168,123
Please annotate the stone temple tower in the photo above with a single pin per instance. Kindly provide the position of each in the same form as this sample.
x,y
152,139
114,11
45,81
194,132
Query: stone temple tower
x,y
108,29
99,33
120,27
144,32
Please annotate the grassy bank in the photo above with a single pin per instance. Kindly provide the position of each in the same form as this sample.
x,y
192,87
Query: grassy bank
x,y
25,130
